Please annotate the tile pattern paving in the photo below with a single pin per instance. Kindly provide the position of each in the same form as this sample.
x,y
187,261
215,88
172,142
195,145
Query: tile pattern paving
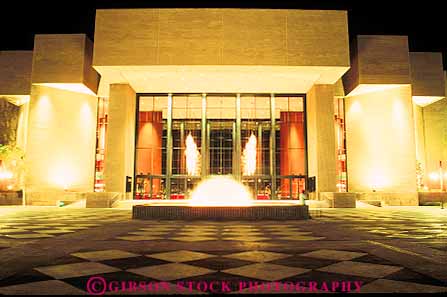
x,y
426,226
237,232
55,222
301,261
185,265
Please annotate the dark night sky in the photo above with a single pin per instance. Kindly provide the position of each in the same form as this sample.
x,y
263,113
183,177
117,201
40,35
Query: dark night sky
x,y
423,21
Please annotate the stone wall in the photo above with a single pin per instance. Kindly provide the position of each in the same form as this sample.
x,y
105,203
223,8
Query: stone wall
x,y
390,198
9,119
11,198
432,197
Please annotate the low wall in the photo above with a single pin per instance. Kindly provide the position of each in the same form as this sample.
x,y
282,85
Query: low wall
x,y
347,200
253,212
11,198
52,198
103,199
432,197
390,198
339,200
92,199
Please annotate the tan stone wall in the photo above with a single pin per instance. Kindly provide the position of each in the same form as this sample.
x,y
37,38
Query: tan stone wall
x,y
221,37
61,141
9,119
321,137
435,131
58,58
22,126
419,130
383,59
64,59
15,72
120,142
427,76
381,150
378,59
391,198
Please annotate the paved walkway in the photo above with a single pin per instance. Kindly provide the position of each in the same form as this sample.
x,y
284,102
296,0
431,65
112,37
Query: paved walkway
x,y
59,250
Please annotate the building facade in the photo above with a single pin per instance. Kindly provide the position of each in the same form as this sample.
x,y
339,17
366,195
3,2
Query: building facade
x,y
164,98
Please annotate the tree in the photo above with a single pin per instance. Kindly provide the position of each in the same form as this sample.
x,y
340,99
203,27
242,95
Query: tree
x,y
12,168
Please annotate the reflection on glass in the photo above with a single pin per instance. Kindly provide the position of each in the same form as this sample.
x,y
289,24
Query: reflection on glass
x,y
101,130
249,156
192,156
242,148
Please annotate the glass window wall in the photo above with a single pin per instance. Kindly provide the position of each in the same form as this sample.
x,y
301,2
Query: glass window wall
x,y
220,134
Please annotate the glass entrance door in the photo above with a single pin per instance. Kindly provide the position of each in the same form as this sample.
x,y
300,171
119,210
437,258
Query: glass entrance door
x,y
221,135
183,138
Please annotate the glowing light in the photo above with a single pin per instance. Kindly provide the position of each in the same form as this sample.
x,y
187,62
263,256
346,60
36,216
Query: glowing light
x,y
17,99
44,111
73,87
249,156
9,187
221,191
356,107
371,88
434,176
425,100
61,178
378,182
192,156
5,174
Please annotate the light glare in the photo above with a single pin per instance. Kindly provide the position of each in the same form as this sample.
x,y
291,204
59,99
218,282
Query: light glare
x,y
220,191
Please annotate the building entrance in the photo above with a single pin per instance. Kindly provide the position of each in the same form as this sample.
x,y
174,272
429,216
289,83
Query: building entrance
x,y
184,138
221,134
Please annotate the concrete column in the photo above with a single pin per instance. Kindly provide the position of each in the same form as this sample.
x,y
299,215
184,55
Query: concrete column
x,y
420,138
60,149
435,140
273,145
204,140
238,145
169,148
321,143
380,142
120,139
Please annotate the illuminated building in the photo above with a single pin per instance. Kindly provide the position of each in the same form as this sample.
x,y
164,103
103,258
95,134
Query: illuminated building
x,y
166,97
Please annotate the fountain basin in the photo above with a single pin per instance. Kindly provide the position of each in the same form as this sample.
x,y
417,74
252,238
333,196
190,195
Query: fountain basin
x,y
258,210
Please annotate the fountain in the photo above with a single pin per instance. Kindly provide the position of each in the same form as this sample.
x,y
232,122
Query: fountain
x,y
192,156
221,197
249,156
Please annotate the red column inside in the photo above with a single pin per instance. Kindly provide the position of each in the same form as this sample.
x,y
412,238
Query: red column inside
x,y
292,150
149,147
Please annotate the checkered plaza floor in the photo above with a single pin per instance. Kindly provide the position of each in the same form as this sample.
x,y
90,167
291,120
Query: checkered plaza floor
x,y
381,250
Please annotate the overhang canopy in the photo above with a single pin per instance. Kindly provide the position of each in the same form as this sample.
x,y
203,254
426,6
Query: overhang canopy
x,y
15,76
64,61
220,50
378,62
427,77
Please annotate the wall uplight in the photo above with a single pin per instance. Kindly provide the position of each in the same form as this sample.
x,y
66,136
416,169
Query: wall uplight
x,y
62,179
378,182
5,174
434,176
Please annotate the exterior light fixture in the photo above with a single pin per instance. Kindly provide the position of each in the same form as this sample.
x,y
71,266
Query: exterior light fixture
x,y
434,176
5,174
